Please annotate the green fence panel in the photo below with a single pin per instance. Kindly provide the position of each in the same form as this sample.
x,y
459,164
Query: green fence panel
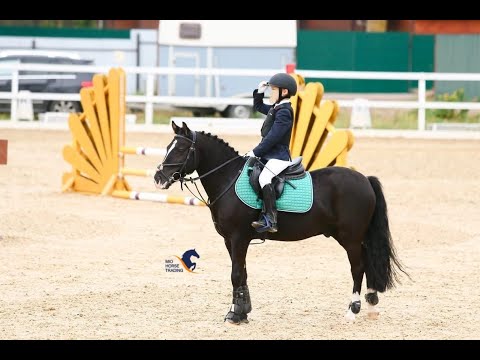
x,y
360,51
380,52
64,32
423,51
325,50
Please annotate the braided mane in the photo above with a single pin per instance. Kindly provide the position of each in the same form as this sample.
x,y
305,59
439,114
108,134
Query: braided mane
x,y
219,140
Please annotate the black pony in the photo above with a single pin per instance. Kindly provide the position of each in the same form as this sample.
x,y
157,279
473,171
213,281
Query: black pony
x,y
347,206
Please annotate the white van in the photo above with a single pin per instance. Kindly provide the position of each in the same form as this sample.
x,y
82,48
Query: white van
x,y
245,44
45,81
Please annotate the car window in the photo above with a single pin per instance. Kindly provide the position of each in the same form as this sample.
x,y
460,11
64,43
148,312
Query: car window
x,y
45,60
35,59
83,62
9,59
62,61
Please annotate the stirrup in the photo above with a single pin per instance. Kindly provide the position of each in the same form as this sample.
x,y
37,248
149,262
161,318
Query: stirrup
x,y
260,222
267,227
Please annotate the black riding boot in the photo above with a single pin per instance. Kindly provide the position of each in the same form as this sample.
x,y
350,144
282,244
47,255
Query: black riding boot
x,y
268,218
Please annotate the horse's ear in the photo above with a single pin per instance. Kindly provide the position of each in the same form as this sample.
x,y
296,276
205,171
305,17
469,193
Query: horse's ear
x,y
185,128
175,127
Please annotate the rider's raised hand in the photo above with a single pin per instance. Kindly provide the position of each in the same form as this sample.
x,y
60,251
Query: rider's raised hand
x,y
262,87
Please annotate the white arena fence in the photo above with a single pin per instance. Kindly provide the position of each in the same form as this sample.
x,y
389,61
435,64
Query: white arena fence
x,y
149,99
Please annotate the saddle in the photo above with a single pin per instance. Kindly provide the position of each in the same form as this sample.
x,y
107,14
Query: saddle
x,y
294,171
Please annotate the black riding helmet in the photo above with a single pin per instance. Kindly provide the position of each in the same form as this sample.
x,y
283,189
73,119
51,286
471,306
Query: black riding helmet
x,y
284,81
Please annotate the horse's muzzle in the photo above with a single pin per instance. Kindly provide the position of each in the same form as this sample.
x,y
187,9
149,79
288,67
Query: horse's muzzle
x,y
162,185
176,176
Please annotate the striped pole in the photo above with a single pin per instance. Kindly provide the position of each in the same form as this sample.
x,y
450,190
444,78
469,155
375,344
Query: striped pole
x,y
146,172
164,198
137,172
143,151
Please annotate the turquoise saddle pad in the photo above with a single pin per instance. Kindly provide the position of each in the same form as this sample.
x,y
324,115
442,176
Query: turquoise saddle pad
x,y
297,200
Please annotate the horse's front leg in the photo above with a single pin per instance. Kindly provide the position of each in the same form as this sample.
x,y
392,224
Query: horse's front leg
x,y
248,305
241,304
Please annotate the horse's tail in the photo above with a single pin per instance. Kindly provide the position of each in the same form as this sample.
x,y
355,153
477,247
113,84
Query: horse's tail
x,y
381,260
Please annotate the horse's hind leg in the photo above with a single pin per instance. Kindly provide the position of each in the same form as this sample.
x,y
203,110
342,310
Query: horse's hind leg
x,y
371,295
241,304
372,300
354,252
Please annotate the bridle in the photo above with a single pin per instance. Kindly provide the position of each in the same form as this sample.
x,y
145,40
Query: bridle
x,y
181,174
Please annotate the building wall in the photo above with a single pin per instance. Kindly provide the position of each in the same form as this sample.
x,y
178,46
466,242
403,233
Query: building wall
x,y
131,24
436,26
414,26
401,25
447,26
120,24
147,24
335,25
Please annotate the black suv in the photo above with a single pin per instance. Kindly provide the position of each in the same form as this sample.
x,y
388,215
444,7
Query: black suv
x,y
53,82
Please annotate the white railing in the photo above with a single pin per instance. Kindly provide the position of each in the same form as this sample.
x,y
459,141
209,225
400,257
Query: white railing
x,y
150,99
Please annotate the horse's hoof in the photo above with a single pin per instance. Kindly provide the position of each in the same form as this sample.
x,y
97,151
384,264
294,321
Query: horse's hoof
x,y
372,298
355,306
231,322
232,318
235,319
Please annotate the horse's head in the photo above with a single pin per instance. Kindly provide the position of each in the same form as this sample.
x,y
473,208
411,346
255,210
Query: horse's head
x,y
189,253
181,158
194,253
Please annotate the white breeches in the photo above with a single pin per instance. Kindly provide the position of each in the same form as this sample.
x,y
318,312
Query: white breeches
x,y
272,168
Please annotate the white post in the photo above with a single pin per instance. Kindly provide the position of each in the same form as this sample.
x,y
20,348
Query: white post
x,y
196,57
217,79
171,77
14,104
149,103
422,90
209,66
